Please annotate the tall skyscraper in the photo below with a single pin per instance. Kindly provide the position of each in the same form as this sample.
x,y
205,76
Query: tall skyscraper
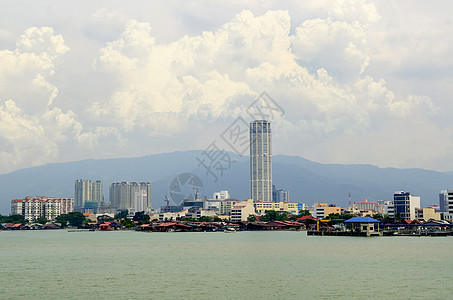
x,y
261,160
87,191
132,196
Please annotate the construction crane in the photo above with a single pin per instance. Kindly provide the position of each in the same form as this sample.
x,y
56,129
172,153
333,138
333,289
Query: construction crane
x,y
168,204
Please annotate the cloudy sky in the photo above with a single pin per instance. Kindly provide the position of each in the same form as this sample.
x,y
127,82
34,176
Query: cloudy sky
x,y
358,81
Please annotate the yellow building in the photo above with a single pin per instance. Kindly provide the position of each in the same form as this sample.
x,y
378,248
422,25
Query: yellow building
x,y
424,214
322,210
262,206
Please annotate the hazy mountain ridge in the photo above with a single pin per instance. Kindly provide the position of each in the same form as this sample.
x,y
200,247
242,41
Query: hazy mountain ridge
x,y
306,180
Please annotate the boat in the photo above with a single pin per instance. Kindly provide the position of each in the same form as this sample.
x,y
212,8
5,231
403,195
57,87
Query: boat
x,y
229,230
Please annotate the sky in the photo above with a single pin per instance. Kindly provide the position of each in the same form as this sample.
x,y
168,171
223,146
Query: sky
x,y
361,82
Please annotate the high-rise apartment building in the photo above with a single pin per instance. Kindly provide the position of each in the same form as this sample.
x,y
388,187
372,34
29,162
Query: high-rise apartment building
x,y
282,196
405,204
87,193
261,160
132,196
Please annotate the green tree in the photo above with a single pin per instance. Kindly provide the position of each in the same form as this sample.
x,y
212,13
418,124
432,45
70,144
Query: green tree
x,y
121,214
127,223
13,219
141,217
304,212
206,219
76,219
272,215
62,219
42,220
378,216
340,216
251,218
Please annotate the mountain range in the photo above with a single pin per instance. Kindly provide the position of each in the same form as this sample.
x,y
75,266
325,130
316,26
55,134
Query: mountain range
x,y
307,181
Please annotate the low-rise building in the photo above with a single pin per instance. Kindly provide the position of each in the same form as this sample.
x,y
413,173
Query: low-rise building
x,y
241,211
366,205
322,210
262,206
427,213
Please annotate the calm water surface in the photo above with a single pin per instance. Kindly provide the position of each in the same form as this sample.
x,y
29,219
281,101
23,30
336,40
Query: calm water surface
x,y
243,265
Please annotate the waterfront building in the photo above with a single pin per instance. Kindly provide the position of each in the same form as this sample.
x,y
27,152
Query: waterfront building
x,y
262,206
33,208
366,205
322,210
132,196
162,216
261,160
66,205
427,213
405,204
365,225
88,194
221,195
196,213
241,211
52,208
388,208
17,206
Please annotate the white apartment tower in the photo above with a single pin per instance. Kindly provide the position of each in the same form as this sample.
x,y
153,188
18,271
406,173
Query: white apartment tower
x,y
261,160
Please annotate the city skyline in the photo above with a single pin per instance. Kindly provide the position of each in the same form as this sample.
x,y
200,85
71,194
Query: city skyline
x,y
106,79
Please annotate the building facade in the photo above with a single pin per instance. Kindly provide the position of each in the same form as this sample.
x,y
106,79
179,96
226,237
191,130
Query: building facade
x,y
32,208
405,204
132,196
241,211
446,201
261,207
88,194
282,196
427,213
261,160
322,210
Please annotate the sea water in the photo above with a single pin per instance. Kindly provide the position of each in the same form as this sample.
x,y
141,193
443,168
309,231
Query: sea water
x,y
214,265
